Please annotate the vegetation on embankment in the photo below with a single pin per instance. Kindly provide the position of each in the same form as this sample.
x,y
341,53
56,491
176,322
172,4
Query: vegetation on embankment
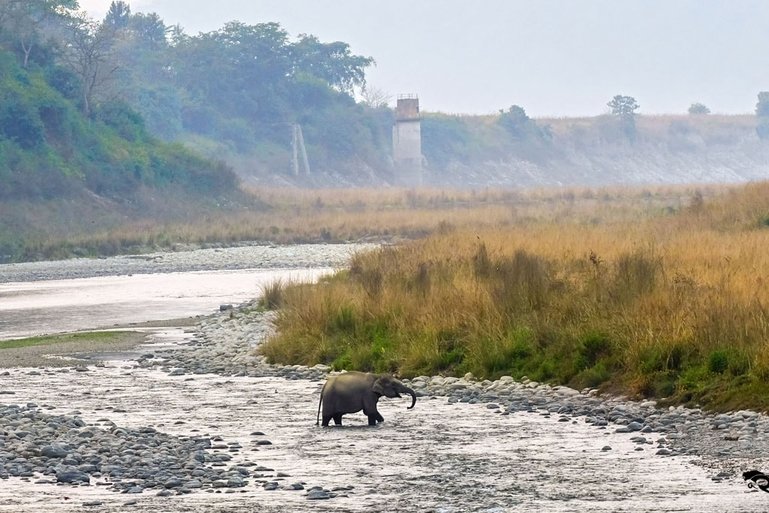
x,y
49,149
63,172
670,308
55,228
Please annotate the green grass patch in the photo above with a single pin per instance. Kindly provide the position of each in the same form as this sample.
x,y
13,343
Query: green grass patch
x,y
90,337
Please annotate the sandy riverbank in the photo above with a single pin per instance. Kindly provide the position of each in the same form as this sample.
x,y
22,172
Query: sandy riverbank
x,y
66,350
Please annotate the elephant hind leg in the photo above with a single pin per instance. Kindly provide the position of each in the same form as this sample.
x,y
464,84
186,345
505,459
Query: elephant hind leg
x,y
373,418
326,420
338,419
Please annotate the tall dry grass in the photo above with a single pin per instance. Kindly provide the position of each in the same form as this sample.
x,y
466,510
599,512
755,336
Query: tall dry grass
x,y
673,306
288,216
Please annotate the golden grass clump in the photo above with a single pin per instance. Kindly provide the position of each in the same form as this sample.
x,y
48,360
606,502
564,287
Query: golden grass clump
x,y
666,306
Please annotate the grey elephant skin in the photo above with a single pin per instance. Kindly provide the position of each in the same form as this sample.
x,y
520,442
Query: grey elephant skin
x,y
352,392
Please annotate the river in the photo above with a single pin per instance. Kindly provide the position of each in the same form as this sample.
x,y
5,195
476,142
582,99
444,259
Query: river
x,y
38,298
437,457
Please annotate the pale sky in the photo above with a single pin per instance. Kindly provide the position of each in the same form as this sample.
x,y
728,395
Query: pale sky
x,y
552,57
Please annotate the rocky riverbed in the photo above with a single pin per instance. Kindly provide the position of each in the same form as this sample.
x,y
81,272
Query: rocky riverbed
x,y
727,443
199,422
245,256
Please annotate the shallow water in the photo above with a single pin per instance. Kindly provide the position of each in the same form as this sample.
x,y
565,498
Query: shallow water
x,y
437,457
54,306
39,298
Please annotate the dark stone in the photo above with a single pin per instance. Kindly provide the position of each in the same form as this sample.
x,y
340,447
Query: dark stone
x,y
72,476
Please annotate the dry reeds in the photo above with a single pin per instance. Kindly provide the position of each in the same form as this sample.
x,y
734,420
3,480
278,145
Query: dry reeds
x,y
671,307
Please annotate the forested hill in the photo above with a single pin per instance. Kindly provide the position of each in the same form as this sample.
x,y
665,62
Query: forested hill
x,y
78,92
238,92
53,144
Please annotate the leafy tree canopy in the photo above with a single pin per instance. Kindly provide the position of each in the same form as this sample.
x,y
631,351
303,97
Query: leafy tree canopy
x,y
698,109
623,106
762,106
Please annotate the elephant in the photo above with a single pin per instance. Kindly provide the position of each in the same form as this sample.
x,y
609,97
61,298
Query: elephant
x,y
352,392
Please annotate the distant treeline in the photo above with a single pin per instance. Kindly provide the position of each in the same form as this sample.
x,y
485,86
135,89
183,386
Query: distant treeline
x,y
238,91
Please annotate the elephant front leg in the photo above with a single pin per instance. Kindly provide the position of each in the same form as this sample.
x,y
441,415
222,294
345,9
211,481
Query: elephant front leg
x,y
374,417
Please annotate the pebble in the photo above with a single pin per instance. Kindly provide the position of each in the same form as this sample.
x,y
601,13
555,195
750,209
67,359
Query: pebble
x,y
318,494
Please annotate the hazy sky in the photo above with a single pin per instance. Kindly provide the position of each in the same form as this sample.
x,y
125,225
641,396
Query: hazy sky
x,y
552,57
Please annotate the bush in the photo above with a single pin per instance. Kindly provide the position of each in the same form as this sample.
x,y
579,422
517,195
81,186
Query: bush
x,y
594,347
19,118
718,361
123,119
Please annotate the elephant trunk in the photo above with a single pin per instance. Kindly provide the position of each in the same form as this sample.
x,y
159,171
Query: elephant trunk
x,y
413,394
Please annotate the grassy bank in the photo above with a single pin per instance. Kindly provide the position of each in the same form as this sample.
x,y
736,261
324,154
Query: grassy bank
x,y
672,307
299,216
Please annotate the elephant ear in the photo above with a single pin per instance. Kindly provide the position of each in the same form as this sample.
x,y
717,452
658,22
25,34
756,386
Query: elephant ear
x,y
377,387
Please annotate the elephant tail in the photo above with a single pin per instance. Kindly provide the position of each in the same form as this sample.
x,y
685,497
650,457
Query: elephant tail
x,y
317,420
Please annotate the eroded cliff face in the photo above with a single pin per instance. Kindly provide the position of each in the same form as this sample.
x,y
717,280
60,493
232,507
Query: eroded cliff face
x,y
632,166
576,152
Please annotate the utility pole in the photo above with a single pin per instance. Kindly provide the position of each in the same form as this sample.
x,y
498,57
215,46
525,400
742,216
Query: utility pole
x,y
297,145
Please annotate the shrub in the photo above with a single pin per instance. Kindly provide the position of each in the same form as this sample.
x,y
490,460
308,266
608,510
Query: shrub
x,y
594,347
272,295
718,361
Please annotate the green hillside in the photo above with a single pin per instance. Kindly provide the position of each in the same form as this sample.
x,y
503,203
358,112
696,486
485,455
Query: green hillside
x,y
49,149
65,168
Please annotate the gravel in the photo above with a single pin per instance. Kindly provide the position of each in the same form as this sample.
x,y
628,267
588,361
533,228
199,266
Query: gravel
x,y
728,443
246,256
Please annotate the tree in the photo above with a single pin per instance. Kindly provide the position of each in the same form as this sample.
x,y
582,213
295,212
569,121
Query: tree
x,y
24,20
332,62
119,15
762,113
515,120
374,97
87,52
519,125
149,30
624,108
256,62
698,109
762,107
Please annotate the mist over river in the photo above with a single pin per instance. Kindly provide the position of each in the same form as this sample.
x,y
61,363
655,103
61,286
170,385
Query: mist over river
x,y
445,455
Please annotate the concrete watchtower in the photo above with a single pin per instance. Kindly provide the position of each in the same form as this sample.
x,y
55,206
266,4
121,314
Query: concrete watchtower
x,y
407,142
